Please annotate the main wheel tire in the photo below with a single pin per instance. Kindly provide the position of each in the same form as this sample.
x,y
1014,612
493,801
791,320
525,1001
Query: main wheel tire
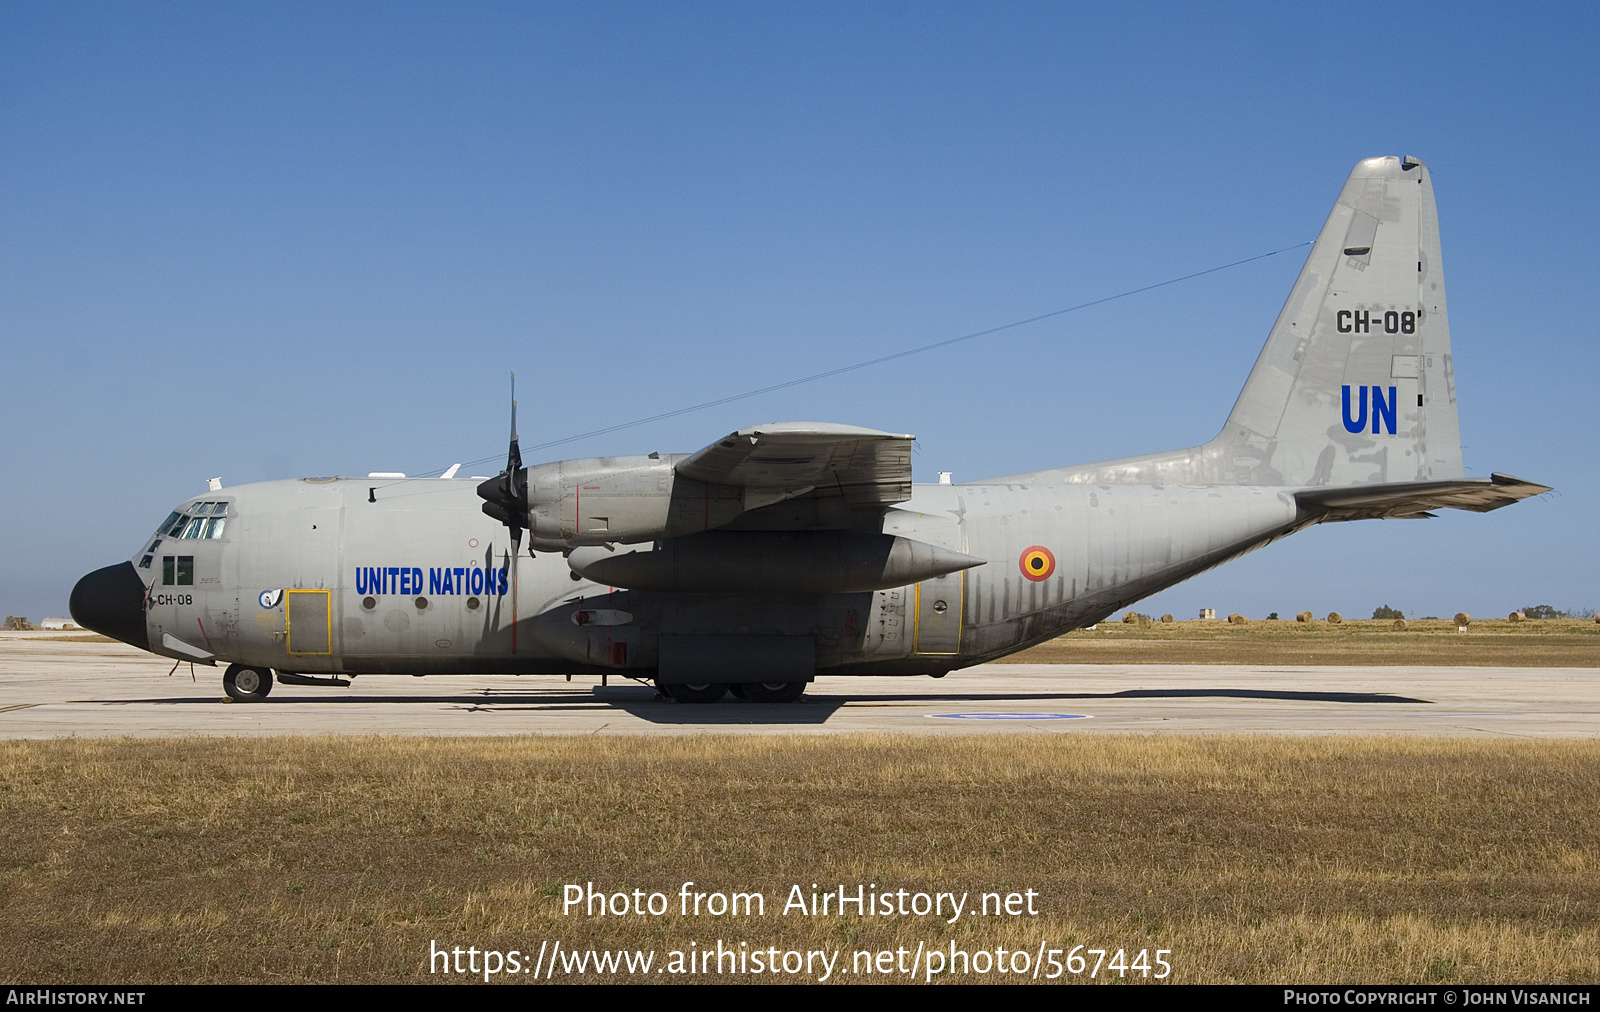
x,y
245,684
695,692
774,692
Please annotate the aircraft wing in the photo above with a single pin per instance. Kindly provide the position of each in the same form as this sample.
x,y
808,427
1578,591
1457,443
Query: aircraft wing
x,y
1407,499
789,459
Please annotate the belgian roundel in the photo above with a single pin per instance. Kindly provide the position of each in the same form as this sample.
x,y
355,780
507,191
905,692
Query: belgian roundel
x,y
1037,563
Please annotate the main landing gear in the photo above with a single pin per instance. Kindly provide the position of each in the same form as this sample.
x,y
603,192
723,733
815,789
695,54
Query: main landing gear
x,y
693,692
711,692
774,692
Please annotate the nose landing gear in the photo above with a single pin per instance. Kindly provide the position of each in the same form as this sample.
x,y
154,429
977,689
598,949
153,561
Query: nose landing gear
x,y
245,684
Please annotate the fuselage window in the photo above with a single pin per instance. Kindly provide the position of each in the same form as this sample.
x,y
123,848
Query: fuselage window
x,y
177,570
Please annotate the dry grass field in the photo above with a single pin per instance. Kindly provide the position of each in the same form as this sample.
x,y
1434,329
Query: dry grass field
x,y
1539,643
1252,859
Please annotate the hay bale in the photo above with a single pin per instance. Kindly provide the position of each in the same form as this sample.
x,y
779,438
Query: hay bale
x,y
1130,618
1237,619
1166,618
1334,618
1399,625
1304,616
1463,620
1517,616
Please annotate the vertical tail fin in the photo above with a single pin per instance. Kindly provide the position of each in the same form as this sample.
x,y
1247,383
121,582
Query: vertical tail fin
x,y
1355,384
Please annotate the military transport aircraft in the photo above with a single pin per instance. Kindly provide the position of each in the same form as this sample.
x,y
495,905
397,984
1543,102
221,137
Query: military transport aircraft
x,y
785,551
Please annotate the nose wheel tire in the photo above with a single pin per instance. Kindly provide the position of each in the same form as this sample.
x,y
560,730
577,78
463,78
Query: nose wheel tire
x,y
773,692
695,692
246,684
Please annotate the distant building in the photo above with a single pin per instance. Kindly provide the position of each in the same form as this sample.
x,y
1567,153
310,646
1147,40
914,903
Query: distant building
x,y
1208,613
59,623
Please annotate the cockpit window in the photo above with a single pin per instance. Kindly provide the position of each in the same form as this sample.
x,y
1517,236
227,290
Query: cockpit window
x,y
200,520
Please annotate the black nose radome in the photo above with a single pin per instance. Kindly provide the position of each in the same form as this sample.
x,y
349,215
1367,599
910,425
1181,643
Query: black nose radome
x,y
111,602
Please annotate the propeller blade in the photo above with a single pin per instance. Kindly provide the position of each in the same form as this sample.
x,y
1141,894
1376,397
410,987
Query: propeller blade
x,y
505,496
514,458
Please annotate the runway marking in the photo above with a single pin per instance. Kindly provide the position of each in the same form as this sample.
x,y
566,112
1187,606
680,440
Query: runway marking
x,y
1011,716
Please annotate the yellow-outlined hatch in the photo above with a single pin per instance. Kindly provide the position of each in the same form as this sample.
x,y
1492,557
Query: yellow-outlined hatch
x,y
309,617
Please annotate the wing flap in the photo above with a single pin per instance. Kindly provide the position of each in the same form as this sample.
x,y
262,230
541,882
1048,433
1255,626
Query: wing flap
x,y
1414,499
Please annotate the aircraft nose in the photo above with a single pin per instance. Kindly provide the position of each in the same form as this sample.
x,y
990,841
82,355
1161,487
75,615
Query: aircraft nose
x,y
111,602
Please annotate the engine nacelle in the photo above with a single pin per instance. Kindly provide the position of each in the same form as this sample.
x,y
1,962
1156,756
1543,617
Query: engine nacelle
x,y
610,500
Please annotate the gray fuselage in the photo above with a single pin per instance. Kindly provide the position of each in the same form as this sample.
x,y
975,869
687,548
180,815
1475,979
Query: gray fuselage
x,y
360,576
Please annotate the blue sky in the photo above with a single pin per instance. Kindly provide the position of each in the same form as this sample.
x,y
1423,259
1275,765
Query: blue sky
x,y
274,240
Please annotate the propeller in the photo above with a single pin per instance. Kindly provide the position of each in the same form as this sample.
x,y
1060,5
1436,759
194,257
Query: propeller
x,y
506,495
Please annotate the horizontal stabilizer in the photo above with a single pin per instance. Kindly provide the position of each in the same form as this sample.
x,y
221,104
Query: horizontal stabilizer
x,y
1409,499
